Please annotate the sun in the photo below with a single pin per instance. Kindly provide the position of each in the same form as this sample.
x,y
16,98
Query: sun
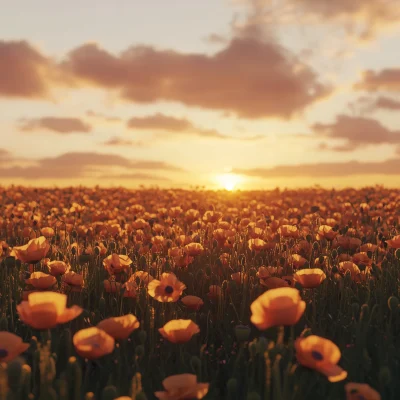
x,y
228,181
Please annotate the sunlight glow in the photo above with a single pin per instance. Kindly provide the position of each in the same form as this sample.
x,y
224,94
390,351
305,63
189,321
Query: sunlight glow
x,y
228,181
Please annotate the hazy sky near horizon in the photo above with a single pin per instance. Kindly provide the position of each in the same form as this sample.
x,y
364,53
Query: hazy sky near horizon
x,y
275,93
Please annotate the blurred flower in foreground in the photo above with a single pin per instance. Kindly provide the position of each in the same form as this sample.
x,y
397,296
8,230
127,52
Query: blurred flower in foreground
x,y
320,354
11,346
360,391
182,387
45,310
93,343
282,306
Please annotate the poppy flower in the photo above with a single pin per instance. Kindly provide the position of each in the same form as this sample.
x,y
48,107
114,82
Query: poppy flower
x,y
326,232
119,327
182,387
257,244
320,354
351,267
394,242
194,249
166,290
360,391
282,306
74,281
192,302
32,252
130,289
274,282
179,330
57,268
93,343
287,231
11,346
115,263
309,278
41,281
144,277
111,286
45,310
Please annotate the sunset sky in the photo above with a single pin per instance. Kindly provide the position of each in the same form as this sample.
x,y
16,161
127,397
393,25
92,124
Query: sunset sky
x,y
180,93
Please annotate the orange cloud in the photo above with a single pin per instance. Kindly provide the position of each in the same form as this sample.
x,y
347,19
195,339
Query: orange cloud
x,y
23,70
118,141
80,165
356,131
55,124
249,77
386,79
366,105
319,170
106,118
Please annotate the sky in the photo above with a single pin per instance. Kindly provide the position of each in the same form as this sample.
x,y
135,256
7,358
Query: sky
x,y
245,94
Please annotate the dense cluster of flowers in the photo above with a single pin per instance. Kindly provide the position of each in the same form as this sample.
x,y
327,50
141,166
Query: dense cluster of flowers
x,y
149,292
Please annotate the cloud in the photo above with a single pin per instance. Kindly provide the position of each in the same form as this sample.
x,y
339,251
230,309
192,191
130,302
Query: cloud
x,y
367,105
118,141
320,170
24,71
360,18
80,165
387,79
249,77
135,176
55,124
356,131
166,123
103,117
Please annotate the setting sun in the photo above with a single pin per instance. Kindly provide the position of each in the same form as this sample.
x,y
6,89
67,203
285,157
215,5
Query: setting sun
x,y
228,181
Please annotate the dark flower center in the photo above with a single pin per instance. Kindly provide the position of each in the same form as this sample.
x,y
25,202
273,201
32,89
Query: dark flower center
x,y
3,353
317,355
169,289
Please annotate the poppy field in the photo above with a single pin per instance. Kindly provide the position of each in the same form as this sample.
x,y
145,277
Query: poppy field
x,y
176,294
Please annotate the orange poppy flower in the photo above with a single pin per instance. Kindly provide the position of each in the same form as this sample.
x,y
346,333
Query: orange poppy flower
x,y
11,346
92,343
33,251
41,281
119,327
274,282
360,391
130,289
257,244
297,260
192,302
309,278
144,277
168,289
74,280
111,286
194,249
282,306
115,263
182,387
326,232
214,292
349,266
57,268
289,231
47,232
320,354
45,310
179,330
394,242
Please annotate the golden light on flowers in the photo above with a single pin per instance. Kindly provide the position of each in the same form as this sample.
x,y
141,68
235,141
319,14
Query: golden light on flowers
x,y
116,263
119,327
179,330
320,354
32,252
45,310
281,306
41,281
309,278
93,343
182,387
228,181
168,289
11,346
